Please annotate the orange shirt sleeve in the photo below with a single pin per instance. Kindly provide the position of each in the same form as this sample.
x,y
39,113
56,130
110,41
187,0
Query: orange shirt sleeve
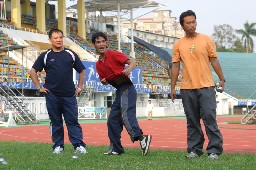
x,y
176,52
211,48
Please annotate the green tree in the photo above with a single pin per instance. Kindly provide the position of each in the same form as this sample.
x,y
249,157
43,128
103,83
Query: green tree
x,y
238,46
224,37
247,34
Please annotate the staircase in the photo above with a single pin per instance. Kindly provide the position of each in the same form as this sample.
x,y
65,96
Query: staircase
x,y
85,96
250,116
16,104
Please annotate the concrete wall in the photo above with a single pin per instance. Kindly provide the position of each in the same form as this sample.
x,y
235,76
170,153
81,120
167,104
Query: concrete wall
x,y
225,105
174,109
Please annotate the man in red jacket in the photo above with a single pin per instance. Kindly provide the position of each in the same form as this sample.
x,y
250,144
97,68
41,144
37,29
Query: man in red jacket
x,y
111,70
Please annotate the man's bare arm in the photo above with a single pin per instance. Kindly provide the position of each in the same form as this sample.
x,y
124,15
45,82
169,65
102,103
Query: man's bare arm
x,y
36,82
80,82
217,68
131,64
34,77
174,77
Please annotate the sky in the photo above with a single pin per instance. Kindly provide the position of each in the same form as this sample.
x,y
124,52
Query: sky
x,y
210,12
214,12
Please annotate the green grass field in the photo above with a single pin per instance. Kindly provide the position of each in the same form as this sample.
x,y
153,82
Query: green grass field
x,y
21,155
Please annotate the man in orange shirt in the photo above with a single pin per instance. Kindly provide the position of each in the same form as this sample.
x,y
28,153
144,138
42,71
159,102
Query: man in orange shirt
x,y
196,52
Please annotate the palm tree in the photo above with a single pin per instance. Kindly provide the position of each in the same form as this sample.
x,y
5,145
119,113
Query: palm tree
x,y
248,31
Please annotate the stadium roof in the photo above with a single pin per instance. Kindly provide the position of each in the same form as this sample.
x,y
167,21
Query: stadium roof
x,y
111,5
240,73
164,55
118,6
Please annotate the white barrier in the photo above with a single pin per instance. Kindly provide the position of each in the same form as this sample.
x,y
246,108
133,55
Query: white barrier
x,y
92,112
174,109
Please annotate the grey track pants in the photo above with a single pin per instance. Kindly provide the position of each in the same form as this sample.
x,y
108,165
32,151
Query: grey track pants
x,y
201,104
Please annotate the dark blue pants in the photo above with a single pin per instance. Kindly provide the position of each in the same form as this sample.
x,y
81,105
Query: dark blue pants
x,y
66,106
201,104
123,113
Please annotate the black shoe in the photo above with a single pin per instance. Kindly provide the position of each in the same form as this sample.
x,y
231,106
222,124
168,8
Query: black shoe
x,y
112,153
145,143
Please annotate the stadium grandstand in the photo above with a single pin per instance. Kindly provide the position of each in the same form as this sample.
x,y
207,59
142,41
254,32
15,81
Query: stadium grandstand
x,y
24,34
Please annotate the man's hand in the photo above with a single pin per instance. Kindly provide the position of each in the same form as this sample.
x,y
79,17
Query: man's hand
x,y
173,95
78,90
221,84
126,72
104,81
44,90
131,64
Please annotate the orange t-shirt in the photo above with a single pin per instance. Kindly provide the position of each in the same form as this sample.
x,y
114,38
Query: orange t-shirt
x,y
194,55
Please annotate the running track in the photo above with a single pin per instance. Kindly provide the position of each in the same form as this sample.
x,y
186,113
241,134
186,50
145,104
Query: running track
x,y
168,134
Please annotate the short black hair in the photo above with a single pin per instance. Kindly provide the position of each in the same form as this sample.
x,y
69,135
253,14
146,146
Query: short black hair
x,y
185,14
54,30
97,35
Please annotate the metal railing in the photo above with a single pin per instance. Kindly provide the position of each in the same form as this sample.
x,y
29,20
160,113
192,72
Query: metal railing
x,y
15,100
250,114
157,65
86,94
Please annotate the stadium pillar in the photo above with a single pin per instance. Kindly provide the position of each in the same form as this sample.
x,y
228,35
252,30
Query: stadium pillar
x,y
26,7
81,18
118,25
132,54
101,21
87,21
6,5
2,10
40,15
15,13
62,16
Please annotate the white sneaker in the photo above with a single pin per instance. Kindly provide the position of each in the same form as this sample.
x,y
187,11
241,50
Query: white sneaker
x,y
81,150
192,155
58,150
213,156
112,153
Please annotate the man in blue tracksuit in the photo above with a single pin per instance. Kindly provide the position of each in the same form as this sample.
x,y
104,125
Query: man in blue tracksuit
x,y
58,62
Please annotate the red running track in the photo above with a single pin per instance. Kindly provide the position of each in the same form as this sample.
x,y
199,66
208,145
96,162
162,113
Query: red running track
x,y
168,134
